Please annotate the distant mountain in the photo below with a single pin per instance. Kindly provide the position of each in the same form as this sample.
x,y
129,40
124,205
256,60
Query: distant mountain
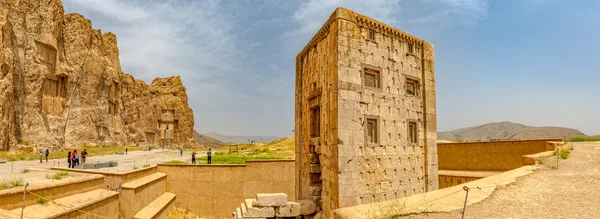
x,y
207,140
242,138
506,131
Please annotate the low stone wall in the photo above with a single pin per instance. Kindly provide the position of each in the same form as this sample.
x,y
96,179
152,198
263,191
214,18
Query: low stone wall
x,y
114,179
13,198
493,155
219,188
108,208
135,198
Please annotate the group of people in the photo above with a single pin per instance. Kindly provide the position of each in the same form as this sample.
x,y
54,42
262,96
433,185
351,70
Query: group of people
x,y
42,154
73,158
208,159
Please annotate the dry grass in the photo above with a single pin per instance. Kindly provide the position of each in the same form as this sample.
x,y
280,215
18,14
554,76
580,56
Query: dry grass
x,y
180,213
12,183
58,176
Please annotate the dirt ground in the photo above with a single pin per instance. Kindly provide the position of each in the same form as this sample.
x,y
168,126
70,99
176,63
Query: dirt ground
x,y
571,191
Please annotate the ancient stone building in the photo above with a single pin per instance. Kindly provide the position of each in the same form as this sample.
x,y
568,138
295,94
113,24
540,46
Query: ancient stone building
x,y
61,85
365,114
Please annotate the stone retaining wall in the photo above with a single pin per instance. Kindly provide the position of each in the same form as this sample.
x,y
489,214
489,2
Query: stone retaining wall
x,y
213,191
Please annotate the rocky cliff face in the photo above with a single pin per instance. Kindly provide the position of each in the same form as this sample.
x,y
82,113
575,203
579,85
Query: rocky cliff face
x,y
61,85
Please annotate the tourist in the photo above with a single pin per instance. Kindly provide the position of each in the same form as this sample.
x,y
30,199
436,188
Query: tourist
x,y
47,153
83,155
69,159
180,152
209,159
41,154
194,157
74,158
125,151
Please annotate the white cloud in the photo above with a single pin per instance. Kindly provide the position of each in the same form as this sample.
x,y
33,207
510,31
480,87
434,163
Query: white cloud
x,y
311,15
434,14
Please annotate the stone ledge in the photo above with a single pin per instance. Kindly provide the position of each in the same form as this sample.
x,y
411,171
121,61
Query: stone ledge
x,y
156,207
79,201
134,184
469,173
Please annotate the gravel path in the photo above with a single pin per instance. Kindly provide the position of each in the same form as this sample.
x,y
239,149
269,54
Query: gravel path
x,y
572,191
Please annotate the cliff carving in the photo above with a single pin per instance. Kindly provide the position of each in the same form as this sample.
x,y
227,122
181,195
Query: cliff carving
x,y
61,85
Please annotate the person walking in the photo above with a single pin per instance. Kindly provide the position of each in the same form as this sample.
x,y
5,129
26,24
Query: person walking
x,y
47,153
180,152
194,157
125,151
69,159
84,155
209,158
73,159
41,154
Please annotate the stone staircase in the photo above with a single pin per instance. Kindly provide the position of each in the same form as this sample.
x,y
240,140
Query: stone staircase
x,y
273,205
146,197
159,208
82,205
142,196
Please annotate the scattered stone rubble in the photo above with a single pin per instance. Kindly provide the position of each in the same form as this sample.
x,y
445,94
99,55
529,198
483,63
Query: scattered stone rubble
x,y
273,205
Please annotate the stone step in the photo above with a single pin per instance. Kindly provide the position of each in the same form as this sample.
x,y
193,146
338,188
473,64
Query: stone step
x,y
159,208
100,202
139,193
134,184
13,198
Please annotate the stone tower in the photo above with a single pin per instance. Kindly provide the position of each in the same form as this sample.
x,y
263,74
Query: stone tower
x,y
365,114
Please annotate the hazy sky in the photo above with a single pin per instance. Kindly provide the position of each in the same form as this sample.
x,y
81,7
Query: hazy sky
x,y
534,62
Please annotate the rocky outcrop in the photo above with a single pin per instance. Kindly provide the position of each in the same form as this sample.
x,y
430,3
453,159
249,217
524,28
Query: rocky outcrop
x,y
61,85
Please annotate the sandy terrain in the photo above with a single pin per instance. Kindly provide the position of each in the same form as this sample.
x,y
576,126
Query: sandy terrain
x,y
572,191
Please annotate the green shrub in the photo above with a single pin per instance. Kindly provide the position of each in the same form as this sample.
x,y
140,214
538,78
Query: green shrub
x,y
22,157
42,200
12,183
583,139
175,162
266,150
58,176
25,170
4,185
10,159
112,164
146,165
16,182
135,167
564,154
237,158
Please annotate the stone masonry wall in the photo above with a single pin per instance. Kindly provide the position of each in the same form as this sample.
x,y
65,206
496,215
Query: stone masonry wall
x,y
391,168
316,93
61,85
363,171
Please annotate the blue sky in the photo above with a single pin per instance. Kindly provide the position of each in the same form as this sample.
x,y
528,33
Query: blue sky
x,y
534,62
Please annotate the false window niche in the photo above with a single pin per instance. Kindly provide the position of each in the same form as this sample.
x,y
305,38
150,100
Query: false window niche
x,y
412,87
372,77
413,133
372,132
315,122
371,35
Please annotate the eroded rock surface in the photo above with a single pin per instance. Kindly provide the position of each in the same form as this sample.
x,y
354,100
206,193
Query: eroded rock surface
x,y
61,85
